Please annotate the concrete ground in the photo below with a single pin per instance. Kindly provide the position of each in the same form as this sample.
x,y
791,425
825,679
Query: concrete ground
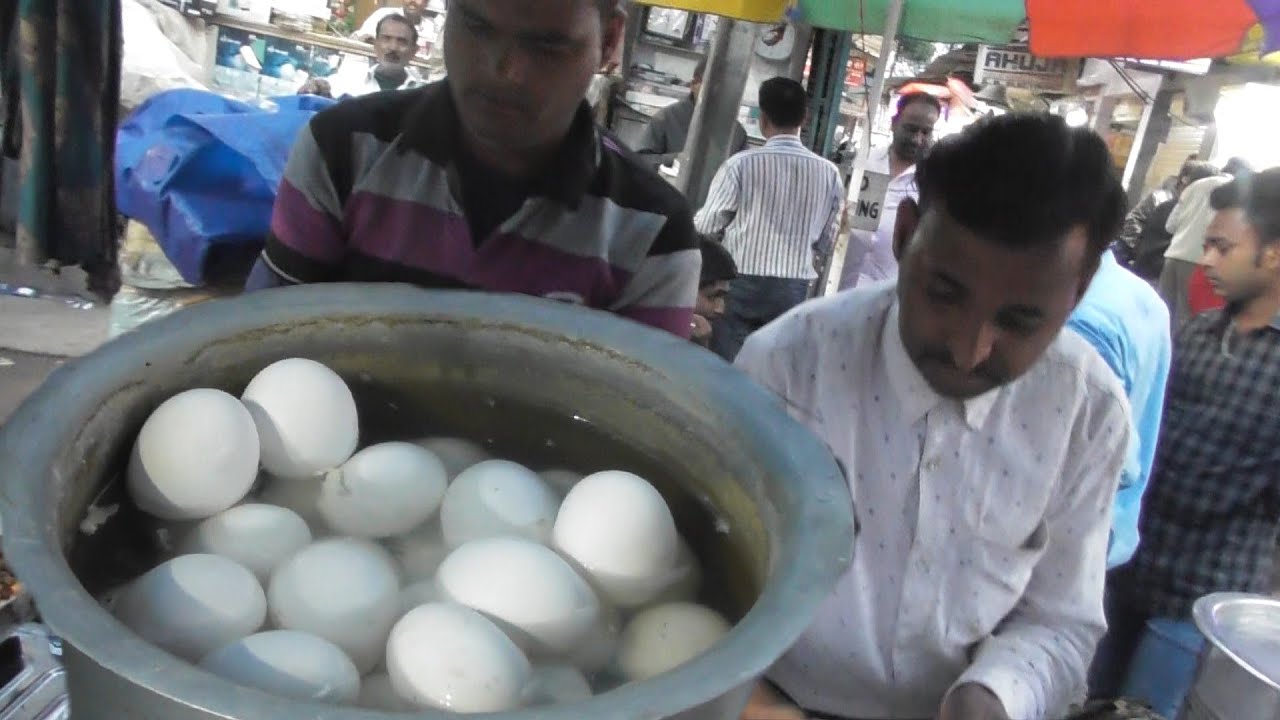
x,y
39,333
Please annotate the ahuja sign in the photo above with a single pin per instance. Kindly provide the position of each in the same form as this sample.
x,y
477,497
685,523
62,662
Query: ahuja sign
x,y
1015,66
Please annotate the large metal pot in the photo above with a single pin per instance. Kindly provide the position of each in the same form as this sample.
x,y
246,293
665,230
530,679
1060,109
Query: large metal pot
x,y
761,500
1238,677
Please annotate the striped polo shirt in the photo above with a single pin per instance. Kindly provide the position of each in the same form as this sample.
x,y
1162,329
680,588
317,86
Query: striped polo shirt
x,y
372,192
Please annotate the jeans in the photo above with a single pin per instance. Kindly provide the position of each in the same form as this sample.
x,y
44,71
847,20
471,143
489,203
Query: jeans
x,y
1145,658
754,301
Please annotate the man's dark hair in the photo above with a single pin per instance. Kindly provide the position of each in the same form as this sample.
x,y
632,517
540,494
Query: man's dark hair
x,y
1194,171
1026,179
923,98
783,101
1259,196
717,263
397,18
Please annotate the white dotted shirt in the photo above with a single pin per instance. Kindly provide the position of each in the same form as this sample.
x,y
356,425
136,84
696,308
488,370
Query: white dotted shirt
x,y
984,523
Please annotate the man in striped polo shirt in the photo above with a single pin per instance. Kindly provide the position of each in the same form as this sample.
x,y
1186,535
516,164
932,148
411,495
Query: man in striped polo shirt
x,y
774,205
494,179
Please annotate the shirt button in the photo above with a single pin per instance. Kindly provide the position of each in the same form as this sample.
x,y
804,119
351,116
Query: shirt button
x,y
931,466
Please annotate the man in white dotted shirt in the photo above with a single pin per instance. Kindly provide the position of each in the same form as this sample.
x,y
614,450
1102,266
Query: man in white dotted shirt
x,y
983,446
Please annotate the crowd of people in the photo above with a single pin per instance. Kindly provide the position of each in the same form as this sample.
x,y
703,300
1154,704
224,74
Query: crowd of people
x,y
1048,461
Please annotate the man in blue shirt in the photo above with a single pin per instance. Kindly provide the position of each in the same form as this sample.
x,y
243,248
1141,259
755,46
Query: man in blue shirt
x,y
1128,324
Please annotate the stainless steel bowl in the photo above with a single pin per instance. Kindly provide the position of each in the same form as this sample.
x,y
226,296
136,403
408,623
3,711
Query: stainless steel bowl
x,y
1238,677
760,499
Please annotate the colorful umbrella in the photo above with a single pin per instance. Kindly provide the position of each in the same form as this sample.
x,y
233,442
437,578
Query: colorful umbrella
x,y
1155,29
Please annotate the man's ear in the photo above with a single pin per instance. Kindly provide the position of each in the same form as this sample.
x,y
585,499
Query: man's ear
x,y
1270,259
904,226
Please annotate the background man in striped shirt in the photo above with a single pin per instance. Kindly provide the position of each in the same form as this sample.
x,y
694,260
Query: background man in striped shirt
x,y
773,204
494,179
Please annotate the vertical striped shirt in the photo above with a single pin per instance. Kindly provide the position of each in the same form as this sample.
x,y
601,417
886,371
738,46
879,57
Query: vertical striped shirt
x,y
371,193
774,204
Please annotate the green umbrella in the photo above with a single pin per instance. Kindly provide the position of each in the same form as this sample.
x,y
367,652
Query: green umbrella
x,y
952,21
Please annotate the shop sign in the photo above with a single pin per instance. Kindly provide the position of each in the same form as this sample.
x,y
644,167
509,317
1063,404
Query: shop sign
x,y
866,216
1015,66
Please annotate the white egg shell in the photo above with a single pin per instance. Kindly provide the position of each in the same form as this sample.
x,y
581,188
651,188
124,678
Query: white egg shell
x,y
562,481
419,593
196,455
344,590
666,636
259,537
685,580
194,604
525,586
597,648
377,693
383,490
302,496
450,657
618,529
497,498
554,685
457,454
306,418
294,665
420,552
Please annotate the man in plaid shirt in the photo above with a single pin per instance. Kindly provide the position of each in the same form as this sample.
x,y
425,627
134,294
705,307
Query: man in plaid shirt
x,y
1210,520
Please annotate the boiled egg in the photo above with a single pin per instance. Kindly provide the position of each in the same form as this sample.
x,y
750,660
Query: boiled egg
x,y
383,490
562,481
664,637
302,496
599,645
419,593
524,586
495,498
305,415
419,552
193,605
196,455
618,529
294,665
344,590
451,657
259,537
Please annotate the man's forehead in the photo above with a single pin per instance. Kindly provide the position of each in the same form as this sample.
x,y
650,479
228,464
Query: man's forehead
x,y
919,112
990,261
571,18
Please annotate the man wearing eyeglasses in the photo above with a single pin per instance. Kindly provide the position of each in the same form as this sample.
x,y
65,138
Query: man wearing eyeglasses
x,y
870,256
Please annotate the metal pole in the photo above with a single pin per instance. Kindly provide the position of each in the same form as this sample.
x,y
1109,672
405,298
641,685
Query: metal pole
x,y
1152,131
716,114
829,282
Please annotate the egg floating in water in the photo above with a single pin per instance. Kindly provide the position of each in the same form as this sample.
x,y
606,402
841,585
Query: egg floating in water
x,y
457,454
495,498
259,537
529,589
305,415
451,657
619,530
196,455
398,576
290,664
383,490
667,636
193,605
344,590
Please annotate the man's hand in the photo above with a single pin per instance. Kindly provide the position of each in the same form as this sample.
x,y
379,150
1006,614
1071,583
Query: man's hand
x,y
972,702
765,704
316,86
701,330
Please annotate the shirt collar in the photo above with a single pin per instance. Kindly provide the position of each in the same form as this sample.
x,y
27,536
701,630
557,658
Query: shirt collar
x,y
915,397
431,127
784,140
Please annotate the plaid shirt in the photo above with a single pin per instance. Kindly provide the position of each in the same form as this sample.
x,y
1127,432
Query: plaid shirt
x,y
1212,512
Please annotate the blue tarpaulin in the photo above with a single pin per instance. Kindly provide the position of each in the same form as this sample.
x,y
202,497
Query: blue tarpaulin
x,y
200,170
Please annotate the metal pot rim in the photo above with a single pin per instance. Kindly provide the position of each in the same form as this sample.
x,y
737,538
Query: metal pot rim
x,y
1205,612
821,532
